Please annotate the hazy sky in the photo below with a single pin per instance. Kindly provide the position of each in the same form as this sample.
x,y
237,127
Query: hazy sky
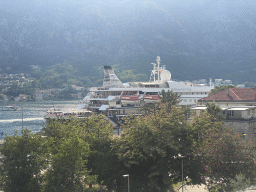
x,y
27,5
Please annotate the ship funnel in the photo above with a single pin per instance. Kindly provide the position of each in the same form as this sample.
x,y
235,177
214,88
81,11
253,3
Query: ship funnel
x,y
110,78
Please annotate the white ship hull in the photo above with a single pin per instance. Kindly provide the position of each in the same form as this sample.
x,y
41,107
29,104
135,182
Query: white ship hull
x,y
116,97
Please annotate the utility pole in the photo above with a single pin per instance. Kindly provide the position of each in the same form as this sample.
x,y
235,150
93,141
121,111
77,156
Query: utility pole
x,y
127,175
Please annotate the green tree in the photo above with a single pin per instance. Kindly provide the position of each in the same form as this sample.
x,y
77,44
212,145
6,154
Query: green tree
x,y
128,75
215,111
66,93
67,171
240,182
97,133
149,147
102,161
36,73
250,84
15,89
1,97
170,97
220,88
219,152
59,76
35,83
24,160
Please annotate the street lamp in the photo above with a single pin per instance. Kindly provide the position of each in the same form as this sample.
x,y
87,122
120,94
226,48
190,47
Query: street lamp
x,y
181,157
127,175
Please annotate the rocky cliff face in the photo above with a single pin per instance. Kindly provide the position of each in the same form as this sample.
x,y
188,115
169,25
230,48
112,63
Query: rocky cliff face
x,y
194,37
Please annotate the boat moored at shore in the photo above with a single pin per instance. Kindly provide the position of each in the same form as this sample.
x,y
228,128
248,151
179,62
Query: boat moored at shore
x,y
9,108
54,113
117,98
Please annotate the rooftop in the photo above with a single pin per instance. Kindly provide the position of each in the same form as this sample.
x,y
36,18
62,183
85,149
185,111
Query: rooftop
x,y
232,94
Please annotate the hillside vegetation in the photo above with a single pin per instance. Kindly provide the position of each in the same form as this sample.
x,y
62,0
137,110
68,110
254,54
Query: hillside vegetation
x,y
195,40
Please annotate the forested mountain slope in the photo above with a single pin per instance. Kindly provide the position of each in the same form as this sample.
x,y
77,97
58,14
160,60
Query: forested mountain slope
x,y
195,40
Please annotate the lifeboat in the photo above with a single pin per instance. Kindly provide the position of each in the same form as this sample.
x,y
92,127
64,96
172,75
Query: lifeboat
x,y
151,98
129,100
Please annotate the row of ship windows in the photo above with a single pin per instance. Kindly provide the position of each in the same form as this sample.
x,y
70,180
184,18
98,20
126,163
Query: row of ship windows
x,y
192,93
189,100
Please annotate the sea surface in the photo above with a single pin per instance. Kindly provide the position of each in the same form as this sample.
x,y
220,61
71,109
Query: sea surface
x,y
33,115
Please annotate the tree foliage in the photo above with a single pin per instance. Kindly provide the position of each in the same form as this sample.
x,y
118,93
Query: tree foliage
x,y
240,182
219,152
59,76
84,152
67,170
149,147
15,89
66,93
129,75
101,162
170,97
215,111
24,160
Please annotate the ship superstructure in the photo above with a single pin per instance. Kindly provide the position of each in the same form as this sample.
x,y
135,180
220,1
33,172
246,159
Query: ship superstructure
x,y
117,98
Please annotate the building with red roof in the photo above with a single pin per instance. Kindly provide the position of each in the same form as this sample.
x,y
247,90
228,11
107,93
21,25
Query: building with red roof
x,y
232,97
238,109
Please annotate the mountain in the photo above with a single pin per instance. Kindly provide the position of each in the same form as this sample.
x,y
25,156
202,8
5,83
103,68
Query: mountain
x,y
198,39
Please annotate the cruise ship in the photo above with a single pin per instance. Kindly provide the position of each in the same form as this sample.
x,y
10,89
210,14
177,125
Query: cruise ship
x,y
117,98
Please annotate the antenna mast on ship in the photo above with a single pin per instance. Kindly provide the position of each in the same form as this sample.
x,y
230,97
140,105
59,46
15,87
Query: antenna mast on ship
x,y
153,73
156,70
158,67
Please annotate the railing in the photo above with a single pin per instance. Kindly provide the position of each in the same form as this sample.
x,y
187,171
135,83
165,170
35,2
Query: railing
x,y
240,119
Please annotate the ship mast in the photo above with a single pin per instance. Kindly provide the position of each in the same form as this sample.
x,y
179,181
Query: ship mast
x,y
154,72
158,67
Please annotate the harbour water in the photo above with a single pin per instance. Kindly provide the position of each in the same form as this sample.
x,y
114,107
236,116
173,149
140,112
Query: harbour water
x,y
33,113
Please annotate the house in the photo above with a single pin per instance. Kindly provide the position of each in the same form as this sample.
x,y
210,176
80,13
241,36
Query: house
x,y
232,97
23,97
236,103
40,94
238,109
6,98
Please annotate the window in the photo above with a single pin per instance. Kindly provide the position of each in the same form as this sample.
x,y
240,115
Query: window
x,y
231,113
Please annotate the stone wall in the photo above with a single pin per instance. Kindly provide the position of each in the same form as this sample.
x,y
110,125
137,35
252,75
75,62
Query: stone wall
x,y
246,129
